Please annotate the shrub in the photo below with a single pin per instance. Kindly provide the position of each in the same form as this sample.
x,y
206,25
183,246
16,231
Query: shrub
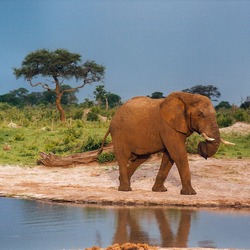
x,y
92,116
241,115
19,137
92,143
106,157
224,120
192,143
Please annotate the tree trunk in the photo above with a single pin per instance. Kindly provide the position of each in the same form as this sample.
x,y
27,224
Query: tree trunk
x,y
107,103
61,110
51,160
58,101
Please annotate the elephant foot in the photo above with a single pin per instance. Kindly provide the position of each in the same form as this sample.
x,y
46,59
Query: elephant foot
x,y
188,191
159,189
124,188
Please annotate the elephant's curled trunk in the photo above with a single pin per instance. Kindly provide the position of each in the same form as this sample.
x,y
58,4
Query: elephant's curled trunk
x,y
210,147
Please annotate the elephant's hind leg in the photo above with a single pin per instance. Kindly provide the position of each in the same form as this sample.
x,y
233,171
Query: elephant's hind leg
x,y
122,156
165,167
135,163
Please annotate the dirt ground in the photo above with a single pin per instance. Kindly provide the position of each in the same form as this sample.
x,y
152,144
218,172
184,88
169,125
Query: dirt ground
x,y
218,183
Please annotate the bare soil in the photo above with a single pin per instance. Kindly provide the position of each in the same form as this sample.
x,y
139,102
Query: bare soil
x,y
239,128
218,183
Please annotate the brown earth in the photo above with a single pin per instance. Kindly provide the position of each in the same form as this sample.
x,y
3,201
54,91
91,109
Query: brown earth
x,y
239,128
218,183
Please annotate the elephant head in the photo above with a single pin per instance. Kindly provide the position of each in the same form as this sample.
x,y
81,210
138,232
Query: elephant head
x,y
187,113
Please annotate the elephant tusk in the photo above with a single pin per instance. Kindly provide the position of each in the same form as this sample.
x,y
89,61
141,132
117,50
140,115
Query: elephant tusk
x,y
207,138
227,142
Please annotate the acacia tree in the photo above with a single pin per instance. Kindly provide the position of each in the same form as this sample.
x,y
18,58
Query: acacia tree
x,y
60,65
209,90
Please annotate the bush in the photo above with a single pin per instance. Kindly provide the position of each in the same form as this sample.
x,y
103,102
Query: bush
x,y
224,120
106,157
192,143
92,143
19,137
241,115
92,116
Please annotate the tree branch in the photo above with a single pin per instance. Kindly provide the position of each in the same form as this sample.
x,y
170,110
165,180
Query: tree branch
x,y
44,85
74,89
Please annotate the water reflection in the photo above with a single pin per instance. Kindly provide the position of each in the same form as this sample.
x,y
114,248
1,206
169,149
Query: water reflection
x,y
130,227
37,225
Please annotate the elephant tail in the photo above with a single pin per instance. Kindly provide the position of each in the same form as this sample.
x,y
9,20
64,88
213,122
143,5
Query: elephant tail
x,y
103,142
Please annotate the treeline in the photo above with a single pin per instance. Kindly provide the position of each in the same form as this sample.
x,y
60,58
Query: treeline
x,y
21,97
43,115
30,109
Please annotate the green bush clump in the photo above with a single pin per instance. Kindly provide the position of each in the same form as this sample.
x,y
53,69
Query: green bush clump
x,y
241,115
106,157
192,143
91,116
92,143
224,120
19,137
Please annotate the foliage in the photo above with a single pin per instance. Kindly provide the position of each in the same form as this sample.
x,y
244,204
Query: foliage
x,y
59,65
240,150
106,99
223,104
92,143
227,117
192,143
21,145
224,120
246,103
157,95
21,97
92,116
106,157
209,90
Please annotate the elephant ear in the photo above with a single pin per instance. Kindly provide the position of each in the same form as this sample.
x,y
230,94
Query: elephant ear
x,y
172,111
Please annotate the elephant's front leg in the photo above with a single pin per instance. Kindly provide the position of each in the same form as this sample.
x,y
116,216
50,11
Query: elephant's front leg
x,y
184,171
165,167
178,153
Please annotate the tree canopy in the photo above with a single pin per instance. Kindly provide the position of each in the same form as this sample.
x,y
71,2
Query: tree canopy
x,y
246,103
209,90
60,65
105,98
157,95
223,104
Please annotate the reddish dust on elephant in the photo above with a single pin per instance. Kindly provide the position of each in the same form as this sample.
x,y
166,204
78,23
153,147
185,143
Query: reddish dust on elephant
x,y
144,126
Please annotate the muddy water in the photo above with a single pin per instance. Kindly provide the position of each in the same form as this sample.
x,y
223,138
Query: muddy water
x,y
28,224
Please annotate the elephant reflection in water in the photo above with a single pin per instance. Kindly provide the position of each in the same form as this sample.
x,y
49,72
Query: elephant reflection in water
x,y
129,228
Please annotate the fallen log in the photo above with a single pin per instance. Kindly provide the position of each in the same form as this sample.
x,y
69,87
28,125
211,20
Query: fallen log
x,y
52,160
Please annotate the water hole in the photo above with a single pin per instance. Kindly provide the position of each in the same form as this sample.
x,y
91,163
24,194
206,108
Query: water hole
x,y
27,224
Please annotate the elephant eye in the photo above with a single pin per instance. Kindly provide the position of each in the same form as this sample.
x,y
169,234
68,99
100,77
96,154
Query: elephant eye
x,y
200,114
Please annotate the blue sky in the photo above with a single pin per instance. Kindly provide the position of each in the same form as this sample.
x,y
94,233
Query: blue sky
x,y
146,46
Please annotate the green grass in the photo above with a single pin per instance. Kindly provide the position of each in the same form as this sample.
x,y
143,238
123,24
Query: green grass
x,y
240,150
21,146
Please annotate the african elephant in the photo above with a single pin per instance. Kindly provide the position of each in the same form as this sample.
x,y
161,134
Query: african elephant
x,y
143,126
